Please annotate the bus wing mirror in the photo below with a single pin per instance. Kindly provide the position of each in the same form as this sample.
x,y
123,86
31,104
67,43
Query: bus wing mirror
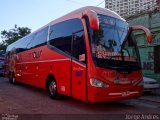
x,y
147,32
93,19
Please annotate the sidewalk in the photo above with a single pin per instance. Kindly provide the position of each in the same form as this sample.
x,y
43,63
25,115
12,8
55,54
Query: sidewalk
x,y
153,97
158,92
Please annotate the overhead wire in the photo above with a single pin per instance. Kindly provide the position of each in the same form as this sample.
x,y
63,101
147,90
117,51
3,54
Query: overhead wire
x,y
73,1
80,3
100,3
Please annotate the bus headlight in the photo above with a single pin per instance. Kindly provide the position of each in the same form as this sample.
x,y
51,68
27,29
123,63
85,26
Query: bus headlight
x,y
97,83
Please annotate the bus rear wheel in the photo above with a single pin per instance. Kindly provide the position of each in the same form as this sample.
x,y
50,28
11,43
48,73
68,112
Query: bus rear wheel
x,y
12,79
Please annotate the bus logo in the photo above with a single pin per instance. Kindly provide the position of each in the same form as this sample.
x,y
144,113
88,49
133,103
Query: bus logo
x,y
37,54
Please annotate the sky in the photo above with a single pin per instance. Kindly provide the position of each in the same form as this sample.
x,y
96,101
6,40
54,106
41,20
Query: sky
x,y
37,13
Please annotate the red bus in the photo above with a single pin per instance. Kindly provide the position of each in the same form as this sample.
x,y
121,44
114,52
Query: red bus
x,y
89,54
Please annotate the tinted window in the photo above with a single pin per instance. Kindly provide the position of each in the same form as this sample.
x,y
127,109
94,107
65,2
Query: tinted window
x,y
39,38
18,45
34,40
61,34
28,41
78,49
22,44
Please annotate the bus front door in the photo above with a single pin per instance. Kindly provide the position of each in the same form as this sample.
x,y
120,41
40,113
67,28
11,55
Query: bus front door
x,y
78,66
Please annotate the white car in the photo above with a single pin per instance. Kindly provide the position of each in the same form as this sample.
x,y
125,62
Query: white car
x,y
150,84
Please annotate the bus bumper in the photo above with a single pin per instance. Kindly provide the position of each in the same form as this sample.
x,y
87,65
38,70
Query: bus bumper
x,y
108,95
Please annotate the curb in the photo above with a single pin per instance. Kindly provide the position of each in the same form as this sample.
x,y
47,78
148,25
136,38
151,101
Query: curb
x,y
157,100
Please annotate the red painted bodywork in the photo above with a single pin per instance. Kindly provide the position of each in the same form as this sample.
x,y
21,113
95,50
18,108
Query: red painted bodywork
x,y
35,71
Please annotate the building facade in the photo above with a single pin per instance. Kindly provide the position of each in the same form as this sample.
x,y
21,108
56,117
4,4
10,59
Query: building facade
x,y
127,8
149,53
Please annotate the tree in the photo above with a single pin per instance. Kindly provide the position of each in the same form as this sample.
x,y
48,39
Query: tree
x,y
8,37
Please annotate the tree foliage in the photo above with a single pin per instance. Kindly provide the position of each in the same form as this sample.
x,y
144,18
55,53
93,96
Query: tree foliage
x,y
8,37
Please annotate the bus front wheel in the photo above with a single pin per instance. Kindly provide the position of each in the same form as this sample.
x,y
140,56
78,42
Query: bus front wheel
x,y
52,89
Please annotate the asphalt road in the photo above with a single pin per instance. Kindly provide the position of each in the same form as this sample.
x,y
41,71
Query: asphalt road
x,y
27,100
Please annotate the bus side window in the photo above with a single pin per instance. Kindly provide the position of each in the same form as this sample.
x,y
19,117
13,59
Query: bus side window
x,y
61,36
30,39
78,48
78,42
40,38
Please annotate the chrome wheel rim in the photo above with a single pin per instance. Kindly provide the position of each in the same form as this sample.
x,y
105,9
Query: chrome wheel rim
x,y
13,80
52,88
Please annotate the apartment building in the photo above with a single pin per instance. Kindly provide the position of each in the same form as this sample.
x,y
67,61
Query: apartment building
x,y
127,8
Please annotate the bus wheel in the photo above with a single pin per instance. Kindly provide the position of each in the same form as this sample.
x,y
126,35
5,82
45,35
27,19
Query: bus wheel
x,y
10,77
13,79
52,89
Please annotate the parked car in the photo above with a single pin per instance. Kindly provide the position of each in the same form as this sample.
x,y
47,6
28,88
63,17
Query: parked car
x,y
1,68
150,84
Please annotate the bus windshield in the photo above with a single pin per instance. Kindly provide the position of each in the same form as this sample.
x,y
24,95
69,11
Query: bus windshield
x,y
113,46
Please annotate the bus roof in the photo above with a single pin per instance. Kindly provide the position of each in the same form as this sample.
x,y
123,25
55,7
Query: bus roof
x,y
80,11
